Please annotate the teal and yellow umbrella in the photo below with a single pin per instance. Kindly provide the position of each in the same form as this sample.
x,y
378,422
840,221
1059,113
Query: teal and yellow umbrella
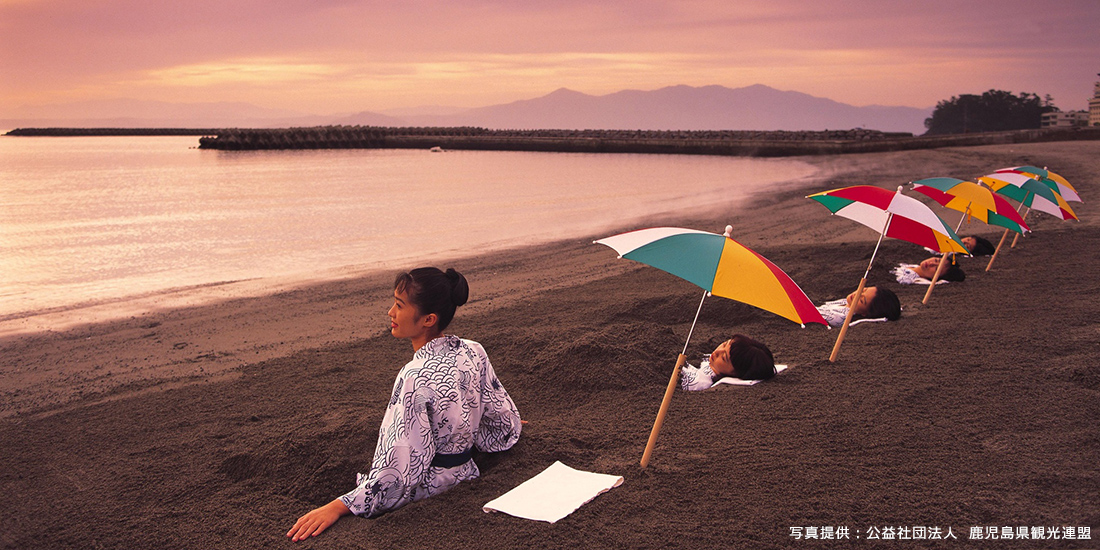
x,y
720,266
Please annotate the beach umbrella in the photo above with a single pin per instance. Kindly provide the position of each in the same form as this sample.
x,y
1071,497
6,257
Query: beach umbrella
x,y
720,266
892,215
1062,188
972,200
1029,192
1051,179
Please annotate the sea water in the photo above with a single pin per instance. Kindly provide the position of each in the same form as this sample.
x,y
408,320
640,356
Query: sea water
x,y
90,220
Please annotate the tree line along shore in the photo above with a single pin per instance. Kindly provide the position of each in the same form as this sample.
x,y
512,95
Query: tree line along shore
x,y
703,142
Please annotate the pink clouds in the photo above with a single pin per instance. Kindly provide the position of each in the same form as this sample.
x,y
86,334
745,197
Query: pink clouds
x,y
327,56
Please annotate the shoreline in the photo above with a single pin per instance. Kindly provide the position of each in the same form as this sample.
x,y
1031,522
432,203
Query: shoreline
x,y
59,317
179,253
182,333
220,425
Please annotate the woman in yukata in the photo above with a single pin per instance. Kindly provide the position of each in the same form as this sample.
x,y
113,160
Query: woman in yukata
x,y
445,403
740,357
874,303
909,274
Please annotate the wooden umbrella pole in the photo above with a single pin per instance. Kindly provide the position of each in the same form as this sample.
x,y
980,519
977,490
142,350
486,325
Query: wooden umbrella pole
x,y
998,250
673,381
943,262
859,290
847,321
936,277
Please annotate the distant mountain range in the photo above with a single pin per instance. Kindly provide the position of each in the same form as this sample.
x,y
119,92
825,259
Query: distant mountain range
x,y
755,107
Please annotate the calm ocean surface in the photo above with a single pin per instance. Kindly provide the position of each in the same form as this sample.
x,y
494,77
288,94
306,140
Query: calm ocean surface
x,y
93,220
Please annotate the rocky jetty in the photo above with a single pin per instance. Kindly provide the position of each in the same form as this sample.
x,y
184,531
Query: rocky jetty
x,y
703,142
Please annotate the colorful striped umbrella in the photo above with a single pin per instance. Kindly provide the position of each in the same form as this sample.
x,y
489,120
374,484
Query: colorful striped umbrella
x,y
909,219
1029,192
1052,180
720,266
1026,189
892,215
972,200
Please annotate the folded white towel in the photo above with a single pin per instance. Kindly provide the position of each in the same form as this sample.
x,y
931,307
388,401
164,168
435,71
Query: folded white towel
x,y
553,494
739,382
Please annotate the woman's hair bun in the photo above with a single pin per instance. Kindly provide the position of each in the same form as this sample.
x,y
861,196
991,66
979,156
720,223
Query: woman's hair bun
x,y
460,289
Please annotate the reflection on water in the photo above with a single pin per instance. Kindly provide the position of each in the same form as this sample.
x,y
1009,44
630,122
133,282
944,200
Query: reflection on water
x,y
102,218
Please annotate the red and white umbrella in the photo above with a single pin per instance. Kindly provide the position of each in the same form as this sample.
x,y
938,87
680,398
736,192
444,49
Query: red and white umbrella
x,y
892,215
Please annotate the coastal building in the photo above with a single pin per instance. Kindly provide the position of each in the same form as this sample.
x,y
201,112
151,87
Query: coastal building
x,y
1065,119
1094,105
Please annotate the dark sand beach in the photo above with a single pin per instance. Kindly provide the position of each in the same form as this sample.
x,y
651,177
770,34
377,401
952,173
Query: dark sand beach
x,y
216,426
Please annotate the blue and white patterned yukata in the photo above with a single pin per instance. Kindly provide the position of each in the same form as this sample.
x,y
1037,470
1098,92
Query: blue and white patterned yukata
x,y
446,401
906,275
834,312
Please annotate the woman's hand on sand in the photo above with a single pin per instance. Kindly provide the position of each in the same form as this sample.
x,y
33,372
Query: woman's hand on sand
x,y
317,520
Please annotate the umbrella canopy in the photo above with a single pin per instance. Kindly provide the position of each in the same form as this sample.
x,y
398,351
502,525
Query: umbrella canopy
x,y
1052,180
1029,192
910,219
972,199
719,265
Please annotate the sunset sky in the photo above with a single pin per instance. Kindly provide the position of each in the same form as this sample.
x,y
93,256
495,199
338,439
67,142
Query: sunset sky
x,y
339,56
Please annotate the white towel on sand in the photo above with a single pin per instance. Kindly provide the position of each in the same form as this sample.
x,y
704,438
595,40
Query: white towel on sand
x,y
553,494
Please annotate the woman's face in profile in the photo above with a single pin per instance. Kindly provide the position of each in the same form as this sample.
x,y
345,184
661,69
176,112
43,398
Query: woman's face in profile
x,y
405,321
969,243
864,304
720,359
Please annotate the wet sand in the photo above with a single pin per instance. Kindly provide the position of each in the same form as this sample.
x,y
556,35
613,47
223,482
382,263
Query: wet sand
x,y
218,425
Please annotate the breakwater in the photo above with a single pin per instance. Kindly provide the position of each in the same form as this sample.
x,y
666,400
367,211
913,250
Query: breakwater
x,y
704,142
697,142
734,143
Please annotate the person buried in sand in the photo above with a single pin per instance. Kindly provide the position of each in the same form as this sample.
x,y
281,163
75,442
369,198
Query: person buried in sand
x,y
978,246
445,402
740,357
909,274
874,303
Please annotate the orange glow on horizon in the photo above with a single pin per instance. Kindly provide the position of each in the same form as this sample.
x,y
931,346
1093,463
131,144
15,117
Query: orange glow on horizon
x,y
325,58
